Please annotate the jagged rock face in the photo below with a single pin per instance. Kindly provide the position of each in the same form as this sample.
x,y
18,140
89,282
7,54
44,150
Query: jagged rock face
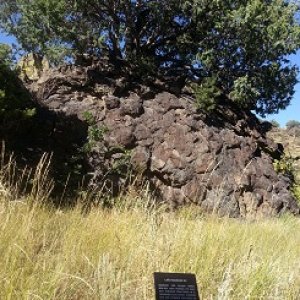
x,y
224,166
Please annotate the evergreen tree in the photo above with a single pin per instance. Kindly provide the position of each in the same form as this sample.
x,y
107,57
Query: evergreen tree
x,y
240,47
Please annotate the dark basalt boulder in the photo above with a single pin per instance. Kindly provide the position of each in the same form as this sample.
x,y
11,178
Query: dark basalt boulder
x,y
220,161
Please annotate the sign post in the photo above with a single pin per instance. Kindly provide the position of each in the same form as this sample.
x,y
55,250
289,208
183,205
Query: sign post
x,y
175,286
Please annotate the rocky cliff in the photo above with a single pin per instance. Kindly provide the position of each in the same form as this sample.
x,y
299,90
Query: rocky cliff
x,y
221,161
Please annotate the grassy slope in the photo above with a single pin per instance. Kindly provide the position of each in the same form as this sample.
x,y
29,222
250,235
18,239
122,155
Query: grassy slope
x,y
50,254
112,254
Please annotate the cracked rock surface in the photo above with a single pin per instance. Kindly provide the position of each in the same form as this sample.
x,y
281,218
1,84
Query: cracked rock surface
x,y
220,161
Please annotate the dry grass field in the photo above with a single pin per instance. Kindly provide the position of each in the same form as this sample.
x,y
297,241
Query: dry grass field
x,y
112,254
50,253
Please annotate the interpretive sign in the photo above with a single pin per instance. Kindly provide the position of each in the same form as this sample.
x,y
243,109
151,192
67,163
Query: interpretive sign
x,y
175,286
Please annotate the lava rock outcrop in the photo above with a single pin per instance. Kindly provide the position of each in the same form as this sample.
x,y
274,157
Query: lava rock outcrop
x,y
220,161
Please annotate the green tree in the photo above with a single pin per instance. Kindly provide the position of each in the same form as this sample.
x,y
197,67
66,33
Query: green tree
x,y
243,45
292,123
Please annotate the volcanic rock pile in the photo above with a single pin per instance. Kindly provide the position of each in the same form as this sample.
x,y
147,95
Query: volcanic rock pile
x,y
221,161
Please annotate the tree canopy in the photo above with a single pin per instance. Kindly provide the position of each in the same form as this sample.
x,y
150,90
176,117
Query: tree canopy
x,y
237,48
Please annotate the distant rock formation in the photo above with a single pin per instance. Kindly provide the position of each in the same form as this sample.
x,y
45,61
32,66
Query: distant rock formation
x,y
220,161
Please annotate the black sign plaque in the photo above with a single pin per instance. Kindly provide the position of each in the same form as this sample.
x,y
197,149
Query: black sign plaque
x,y
175,286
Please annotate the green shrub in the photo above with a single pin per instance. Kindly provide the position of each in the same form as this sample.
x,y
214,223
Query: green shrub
x,y
296,192
292,123
95,132
285,166
15,101
207,94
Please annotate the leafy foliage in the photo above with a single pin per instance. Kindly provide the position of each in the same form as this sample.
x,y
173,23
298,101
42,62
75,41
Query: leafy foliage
x,y
243,44
14,99
5,55
296,192
95,132
285,166
121,165
292,123
246,45
206,94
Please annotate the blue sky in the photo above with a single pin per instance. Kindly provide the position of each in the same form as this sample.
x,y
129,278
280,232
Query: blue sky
x,y
292,112
6,39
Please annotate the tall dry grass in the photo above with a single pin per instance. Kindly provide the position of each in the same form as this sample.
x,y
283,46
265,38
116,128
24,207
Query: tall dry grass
x,y
47,253
15,183
111,254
